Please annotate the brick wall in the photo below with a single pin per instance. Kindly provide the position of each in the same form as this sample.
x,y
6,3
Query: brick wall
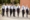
x,y
25,2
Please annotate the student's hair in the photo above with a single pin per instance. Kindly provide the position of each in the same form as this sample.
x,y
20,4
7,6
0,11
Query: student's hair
x,y
3,3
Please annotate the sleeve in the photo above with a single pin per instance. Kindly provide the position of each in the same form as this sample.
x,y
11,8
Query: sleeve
x,y
8,7
19,6
2,7
15,7
24,8
11,7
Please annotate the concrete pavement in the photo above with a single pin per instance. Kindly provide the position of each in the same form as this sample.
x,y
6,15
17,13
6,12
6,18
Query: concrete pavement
x,y
14,18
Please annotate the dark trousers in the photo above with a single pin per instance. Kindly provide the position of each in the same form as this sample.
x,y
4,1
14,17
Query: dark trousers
x,y
10,12
23,13
27,13
3,10
14,12
7,11
18,10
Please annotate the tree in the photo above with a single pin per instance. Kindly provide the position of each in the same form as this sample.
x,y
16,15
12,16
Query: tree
x,y
4,1
19,1
0,1
16,1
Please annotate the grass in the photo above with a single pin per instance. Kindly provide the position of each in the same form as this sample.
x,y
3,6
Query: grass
x,y
0,6
0,10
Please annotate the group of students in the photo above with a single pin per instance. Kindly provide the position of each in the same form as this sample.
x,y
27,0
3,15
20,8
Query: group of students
x,y
13,9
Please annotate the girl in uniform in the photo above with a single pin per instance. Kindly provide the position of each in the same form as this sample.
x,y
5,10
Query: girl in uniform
x,y
27,11
14,10
11,9
23,10
3,9
6,9
18,10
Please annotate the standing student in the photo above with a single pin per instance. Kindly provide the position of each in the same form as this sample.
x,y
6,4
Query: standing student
x,y
23,10
14,10
27,11
11,9
3,9
18,10
6,7
7,11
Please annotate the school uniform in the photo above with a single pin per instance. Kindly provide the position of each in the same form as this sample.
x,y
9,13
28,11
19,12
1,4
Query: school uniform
x,y
3,10
6,7
18,10
11,10
23,11
27,11
14,10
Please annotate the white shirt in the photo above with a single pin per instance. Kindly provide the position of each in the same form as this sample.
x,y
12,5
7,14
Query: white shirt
x,y
3,6
11,7
27,8
14,7
8,7
23,7
18,7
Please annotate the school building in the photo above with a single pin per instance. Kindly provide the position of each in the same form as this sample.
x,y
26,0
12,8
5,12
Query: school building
x,y
25,2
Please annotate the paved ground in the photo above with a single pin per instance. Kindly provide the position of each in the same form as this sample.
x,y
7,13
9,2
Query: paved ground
x,y
14,18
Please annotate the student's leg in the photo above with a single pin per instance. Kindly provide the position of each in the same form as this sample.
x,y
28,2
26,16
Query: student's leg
x,y
10,12
18,12
26,13
7,12
2,12
22,13
14,12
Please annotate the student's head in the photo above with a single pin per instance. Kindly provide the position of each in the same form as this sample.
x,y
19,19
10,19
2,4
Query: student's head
x,y
3,3
9,4
12,3
6,3
16,4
